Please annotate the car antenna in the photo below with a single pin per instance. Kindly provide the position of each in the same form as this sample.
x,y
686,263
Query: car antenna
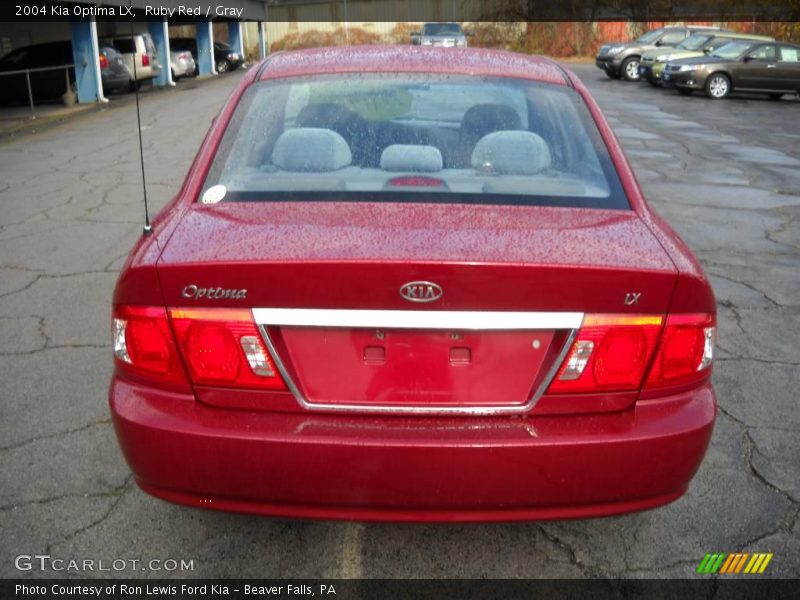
x,y
147,228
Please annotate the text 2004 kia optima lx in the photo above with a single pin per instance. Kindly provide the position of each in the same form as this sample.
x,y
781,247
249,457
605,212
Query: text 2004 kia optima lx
x,y
412,284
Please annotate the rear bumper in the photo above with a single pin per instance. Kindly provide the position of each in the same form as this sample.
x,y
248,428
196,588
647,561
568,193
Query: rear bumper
x,y
411,469
114,81
182,68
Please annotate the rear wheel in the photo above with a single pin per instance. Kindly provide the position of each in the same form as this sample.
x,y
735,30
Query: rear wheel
x,y
718,86
630,68
775,96
223,66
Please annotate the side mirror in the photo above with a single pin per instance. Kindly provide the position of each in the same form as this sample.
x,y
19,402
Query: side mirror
x,y
707,50
659,43
749,57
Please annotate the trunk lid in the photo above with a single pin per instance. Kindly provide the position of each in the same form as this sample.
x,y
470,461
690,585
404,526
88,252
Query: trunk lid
x,y
347,263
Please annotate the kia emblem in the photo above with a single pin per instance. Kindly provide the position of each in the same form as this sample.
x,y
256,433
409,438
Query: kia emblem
x,y
421,291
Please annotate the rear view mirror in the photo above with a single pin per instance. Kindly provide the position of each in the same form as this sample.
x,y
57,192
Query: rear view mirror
x,y
707,50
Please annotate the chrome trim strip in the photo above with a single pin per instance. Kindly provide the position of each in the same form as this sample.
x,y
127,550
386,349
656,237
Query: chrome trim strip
x,y
417,319
419,410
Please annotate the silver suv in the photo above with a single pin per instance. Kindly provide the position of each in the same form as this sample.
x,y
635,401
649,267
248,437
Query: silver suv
x,y
448,35
622,59
139,47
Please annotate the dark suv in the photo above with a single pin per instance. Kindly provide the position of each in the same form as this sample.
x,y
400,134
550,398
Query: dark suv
x,y
622,59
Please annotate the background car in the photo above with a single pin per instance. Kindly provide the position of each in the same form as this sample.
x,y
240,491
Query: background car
x,y
140,49
448,35
182,64
405,285
115,75
225,58
740,66
49,86
622,59
652,62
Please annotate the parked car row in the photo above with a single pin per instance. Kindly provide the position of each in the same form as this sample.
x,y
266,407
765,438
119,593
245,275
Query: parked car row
x,y
715,61
225,58
126,62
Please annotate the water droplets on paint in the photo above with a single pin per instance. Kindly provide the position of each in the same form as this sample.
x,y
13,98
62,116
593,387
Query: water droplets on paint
x,y
214,194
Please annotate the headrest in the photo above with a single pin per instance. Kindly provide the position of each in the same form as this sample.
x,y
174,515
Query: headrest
x,y
417,159
511,153
326,114
311,150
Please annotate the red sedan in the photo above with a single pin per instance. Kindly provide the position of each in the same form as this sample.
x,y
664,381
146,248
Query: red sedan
x,y
412,284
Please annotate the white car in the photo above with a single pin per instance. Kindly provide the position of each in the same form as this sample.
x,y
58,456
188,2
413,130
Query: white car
x,y
182,64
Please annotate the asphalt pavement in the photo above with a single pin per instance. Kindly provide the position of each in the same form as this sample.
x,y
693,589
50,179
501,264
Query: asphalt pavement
x,y
725,174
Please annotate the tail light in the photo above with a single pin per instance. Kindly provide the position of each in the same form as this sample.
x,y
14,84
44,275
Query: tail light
x,y
144,345
145,60
103,61
219,347
612,353
686,353
223,347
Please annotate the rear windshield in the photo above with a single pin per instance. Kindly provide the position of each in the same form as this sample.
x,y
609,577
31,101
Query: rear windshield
x,y
413,138
123,45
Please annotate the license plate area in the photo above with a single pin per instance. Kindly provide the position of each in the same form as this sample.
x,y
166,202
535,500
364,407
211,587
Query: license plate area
x,y
385,367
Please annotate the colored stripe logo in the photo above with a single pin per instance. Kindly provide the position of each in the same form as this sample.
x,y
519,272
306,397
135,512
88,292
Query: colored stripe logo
x,y
736,563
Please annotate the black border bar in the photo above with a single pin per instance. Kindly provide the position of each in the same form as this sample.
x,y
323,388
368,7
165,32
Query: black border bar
x,y
410,10
752,587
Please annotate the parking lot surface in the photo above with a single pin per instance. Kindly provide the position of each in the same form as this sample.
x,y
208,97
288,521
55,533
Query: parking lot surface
x,y
725,174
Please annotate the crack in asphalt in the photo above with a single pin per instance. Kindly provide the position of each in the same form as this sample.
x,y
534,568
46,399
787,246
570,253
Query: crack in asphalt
x,y
39,438
749,286
118,494
42,276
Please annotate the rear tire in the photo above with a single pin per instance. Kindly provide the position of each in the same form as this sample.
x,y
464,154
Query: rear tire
x,y
223,66
718,86
630,69
775,96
